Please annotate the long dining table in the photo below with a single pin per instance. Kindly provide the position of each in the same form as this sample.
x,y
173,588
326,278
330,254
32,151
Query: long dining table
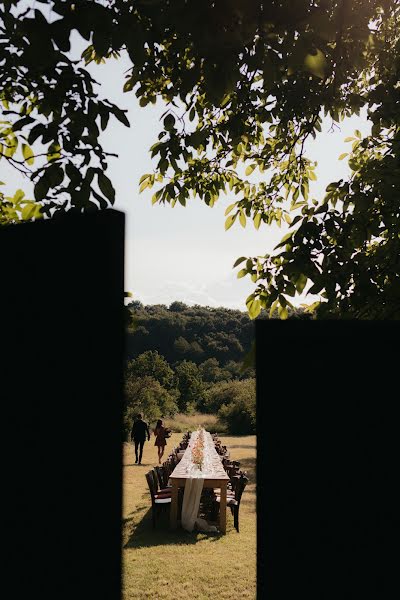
x,y
214,477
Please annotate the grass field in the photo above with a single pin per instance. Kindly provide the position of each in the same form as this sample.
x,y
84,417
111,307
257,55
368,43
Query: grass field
x,y
182,423
161,564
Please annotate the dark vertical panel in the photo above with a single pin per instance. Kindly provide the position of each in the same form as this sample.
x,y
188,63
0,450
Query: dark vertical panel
x,y
328,459
62,338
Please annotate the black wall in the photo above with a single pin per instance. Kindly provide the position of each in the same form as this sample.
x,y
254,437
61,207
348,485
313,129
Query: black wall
x,y
62,344
328,459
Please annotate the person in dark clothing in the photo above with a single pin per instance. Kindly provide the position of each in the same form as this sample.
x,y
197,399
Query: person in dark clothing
x,y
139,432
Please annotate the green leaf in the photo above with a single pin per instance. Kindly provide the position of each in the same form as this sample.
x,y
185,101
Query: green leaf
x,y
257,220
41,188
238,261
273,308
55,175
316,64
169,122
230,207
376,129
358,134
225,100
19,194
283,313
28,154
143,177
342,156
284,240
282,300
229,222
11,145
304,191
53,152
253,307
290,289
121,116
242,273
301,283
349,139
106,186
250,169
31,211
144,185
312,176
242,219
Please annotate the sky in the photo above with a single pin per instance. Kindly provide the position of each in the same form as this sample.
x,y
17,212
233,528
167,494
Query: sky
x,y
184,253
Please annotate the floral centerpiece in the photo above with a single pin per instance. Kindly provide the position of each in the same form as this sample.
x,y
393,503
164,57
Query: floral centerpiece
x,y
198,450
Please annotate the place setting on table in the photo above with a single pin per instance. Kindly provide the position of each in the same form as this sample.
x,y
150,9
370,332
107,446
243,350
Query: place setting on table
x,y
201,468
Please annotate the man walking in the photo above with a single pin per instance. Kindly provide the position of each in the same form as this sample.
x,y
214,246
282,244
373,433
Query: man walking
x,y
139,431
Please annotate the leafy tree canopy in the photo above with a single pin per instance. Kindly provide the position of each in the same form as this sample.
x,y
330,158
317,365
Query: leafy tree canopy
x,y
190,385
235,402
52,116
145,395
246,83
211,372
151,364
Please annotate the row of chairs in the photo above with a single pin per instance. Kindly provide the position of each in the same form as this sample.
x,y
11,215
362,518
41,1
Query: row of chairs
x,y
237,482
158,480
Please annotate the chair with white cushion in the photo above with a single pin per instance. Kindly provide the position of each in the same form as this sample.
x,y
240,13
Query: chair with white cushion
x,y
159,501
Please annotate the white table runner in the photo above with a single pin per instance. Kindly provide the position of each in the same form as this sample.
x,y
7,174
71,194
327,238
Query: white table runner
x,y
194,483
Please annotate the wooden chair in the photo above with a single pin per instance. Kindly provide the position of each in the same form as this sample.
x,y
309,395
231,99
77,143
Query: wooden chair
x,y
162,476
234,501
158,501
158,488
231,470
167,467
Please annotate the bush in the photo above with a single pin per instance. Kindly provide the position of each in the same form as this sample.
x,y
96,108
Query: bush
x,y
225,392
238,411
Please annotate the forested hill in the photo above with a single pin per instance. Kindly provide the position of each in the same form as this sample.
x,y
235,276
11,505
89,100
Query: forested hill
x,y
197,333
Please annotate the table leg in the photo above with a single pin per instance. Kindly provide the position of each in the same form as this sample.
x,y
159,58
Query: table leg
x,y
222,508
174,505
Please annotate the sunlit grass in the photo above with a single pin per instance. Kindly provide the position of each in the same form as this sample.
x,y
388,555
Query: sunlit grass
x,y
160,564
182,422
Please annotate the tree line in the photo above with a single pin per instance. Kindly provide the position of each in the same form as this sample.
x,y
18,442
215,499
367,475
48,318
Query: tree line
x,y
195,333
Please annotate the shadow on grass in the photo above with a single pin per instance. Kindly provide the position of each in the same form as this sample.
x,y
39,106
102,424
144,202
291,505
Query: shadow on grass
x,y
143,535
127,520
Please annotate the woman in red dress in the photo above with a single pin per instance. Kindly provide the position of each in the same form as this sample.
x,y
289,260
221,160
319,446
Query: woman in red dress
x,y
160,432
